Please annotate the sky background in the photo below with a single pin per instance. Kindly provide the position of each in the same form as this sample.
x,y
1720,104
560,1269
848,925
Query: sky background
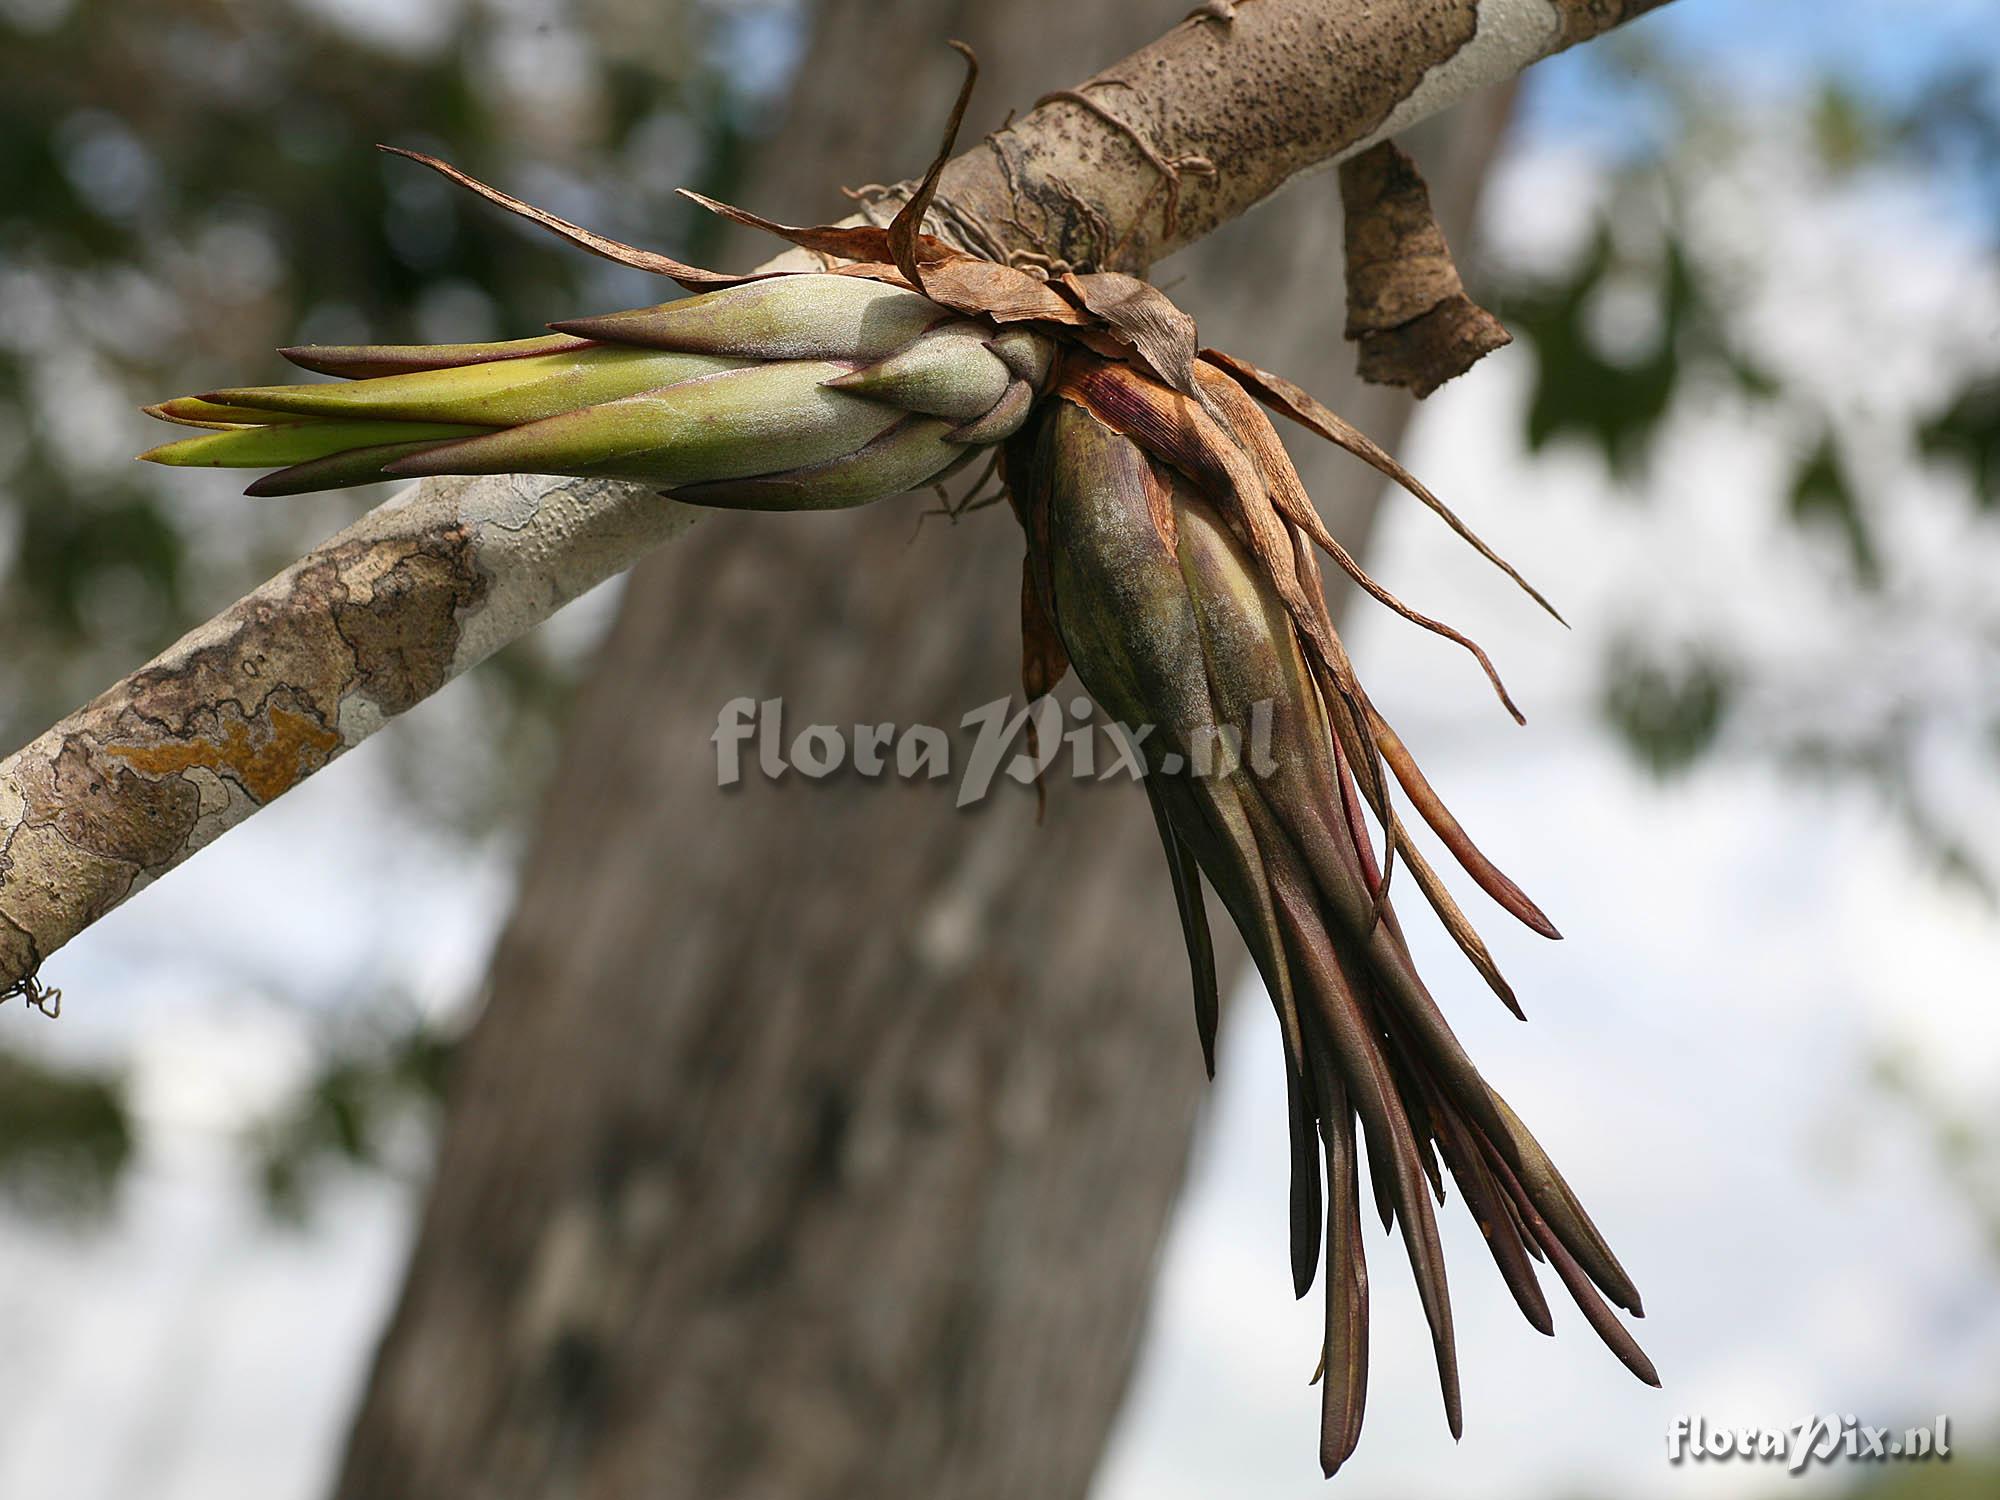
x,y
1740,946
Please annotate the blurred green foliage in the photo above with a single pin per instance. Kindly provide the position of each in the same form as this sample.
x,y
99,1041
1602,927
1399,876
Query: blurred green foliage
x,y
1656,314
369,1104
191,184
1967,433
65,1135
1670,710
1823,495
1616,398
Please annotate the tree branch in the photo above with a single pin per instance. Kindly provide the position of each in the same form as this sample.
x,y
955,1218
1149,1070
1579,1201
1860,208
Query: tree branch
x,y
1230,106
1147,156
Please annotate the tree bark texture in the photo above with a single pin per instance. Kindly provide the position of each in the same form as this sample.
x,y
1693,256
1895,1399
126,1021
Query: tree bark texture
x,y
1160,148
816,1138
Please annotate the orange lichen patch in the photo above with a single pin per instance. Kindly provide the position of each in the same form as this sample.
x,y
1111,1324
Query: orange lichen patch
x,y
266,766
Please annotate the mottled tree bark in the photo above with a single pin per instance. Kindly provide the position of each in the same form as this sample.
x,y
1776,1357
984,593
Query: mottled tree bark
x,y
816,1138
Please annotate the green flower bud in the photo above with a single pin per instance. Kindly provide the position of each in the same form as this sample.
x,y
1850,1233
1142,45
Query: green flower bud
x,y
245,447
731,425
778,317
912,452
492,394
790,392
359,361
949,372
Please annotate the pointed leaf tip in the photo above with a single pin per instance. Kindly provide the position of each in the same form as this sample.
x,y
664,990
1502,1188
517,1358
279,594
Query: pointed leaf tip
x,y
575,234
1295,402
906,229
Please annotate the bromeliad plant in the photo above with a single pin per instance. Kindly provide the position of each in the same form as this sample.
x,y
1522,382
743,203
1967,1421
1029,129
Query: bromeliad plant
x,y
1172,560
788,393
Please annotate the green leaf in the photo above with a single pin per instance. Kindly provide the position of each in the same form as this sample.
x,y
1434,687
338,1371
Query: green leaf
x,y
1668,712
1821,495
65,1137
1968,433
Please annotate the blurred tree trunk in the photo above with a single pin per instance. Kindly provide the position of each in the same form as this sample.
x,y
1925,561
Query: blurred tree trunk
x,y
817,1138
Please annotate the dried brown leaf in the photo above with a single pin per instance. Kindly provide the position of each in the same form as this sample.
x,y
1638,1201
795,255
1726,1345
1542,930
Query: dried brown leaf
x,y
1186,876
1177,431
1145,319
1603,1322
1005,294
1344,1345
862,242
1346,706
1252,429
1302,407
906,229
1424,797
1044,658
963,283
584,239
1491,1209
1349,1035
1453,918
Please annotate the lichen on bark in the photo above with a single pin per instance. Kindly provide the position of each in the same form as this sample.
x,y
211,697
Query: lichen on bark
x,y
272,690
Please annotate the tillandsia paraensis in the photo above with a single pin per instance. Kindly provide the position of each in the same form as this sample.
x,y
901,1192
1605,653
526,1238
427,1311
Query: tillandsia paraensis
x,y
1172,559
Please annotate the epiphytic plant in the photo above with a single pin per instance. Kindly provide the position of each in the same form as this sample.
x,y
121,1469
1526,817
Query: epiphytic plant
x,y
1172,559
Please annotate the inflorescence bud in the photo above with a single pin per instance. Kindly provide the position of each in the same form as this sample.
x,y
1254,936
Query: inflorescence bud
x,y
794,392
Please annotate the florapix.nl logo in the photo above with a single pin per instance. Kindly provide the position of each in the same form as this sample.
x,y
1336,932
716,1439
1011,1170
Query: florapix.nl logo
x,y
1812,1440
995,739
